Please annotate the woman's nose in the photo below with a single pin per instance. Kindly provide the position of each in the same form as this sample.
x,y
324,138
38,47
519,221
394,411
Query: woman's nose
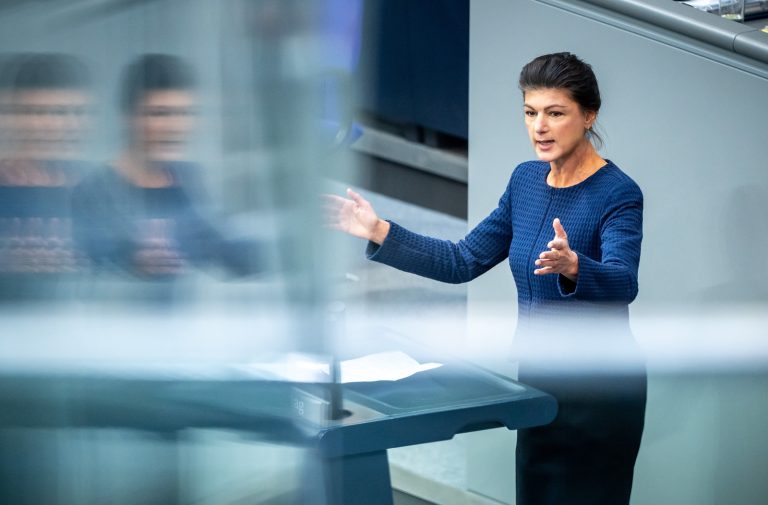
x,y
540,124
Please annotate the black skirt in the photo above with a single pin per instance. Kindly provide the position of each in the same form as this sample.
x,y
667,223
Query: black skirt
x,y
587,454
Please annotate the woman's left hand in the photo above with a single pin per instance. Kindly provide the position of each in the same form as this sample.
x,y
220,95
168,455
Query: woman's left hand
x,y
560,259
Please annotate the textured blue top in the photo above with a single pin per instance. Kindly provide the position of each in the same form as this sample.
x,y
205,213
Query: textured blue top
x,y
114,220
601,215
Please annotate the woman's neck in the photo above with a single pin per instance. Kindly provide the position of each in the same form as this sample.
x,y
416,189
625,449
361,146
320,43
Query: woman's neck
x,y
578,166
141,172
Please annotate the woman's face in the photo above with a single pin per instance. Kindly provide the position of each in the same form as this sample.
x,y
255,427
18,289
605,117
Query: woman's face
x,y
163,123
50,124
556,123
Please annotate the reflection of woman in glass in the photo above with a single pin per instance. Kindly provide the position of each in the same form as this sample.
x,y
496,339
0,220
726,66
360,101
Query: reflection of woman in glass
x,y
139,213
571,226
45,118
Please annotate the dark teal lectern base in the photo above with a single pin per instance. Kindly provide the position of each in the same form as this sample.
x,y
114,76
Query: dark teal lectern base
x,y
427,407
354,478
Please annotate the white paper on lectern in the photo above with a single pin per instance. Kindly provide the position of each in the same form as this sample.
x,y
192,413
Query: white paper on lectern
x,y
382,366
293,367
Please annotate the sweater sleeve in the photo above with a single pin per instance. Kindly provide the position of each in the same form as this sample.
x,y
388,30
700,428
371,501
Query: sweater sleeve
x,y
453,262
98,228
614,277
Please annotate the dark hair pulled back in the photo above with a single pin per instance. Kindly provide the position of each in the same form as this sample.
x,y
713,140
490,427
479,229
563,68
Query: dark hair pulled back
x,y
564,71
154,72
41,71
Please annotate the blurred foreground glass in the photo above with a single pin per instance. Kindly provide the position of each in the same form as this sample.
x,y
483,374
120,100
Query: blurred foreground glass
x,y
732,9
46,117
103,386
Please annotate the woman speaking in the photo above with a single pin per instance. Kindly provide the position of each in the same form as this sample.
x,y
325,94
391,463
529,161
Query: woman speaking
x,y
570,225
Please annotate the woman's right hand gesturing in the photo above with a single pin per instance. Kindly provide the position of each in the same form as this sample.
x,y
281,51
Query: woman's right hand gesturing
x,y
355,215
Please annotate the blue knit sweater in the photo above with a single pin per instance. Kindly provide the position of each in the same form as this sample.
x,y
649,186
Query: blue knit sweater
x,y
601,215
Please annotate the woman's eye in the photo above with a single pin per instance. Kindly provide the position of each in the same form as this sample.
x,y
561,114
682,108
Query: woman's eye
x,y
530,113
555,113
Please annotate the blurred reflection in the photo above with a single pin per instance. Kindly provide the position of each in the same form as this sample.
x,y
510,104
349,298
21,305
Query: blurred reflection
x,y
6,99
115,402
45,118
140,213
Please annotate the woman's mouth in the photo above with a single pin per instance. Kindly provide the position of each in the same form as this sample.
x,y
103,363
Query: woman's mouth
x,y
545,144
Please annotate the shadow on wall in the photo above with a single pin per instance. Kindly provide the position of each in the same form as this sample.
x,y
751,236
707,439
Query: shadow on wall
x,y
745,236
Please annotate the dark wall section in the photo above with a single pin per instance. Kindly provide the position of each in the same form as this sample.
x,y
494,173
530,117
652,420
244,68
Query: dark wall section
x,y
404,183
414,63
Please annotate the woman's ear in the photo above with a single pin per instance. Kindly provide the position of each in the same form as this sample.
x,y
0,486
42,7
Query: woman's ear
x,y
589,119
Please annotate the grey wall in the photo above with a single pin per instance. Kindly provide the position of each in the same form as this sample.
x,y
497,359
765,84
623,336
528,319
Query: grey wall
x,y
690,128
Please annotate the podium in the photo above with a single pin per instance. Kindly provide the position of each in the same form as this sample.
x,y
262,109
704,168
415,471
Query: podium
x,y
427,407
